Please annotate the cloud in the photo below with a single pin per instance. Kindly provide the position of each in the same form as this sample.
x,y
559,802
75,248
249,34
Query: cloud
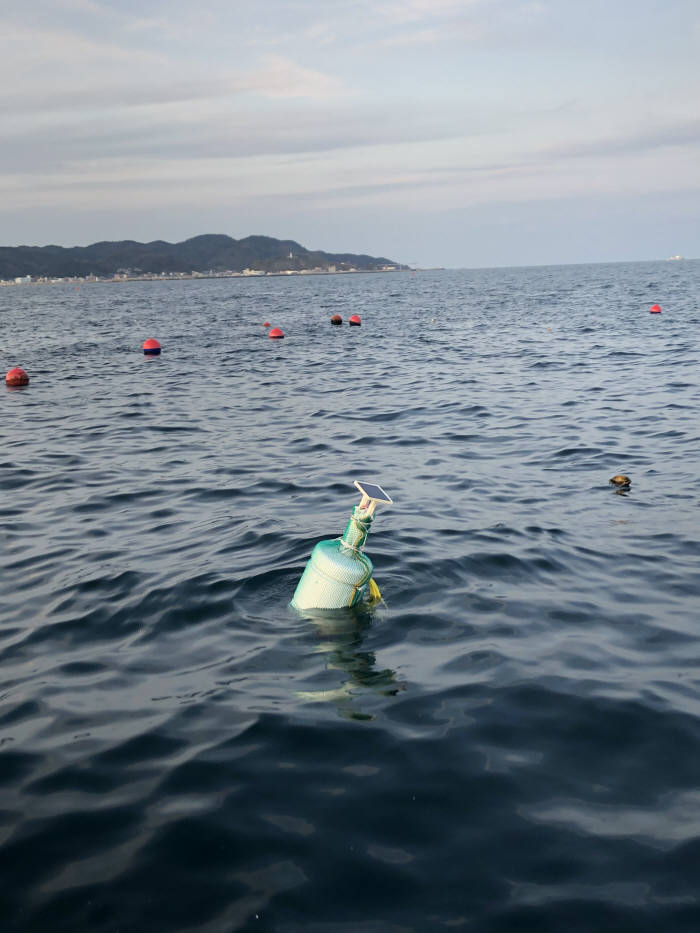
x,y
190,131
320,34
279,77
46,49
677,134
409,11
456,32
82,6
390,171
421,37
64,72
426,22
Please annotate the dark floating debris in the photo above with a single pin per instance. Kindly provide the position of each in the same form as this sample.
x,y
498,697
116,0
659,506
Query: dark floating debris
x,y
621,481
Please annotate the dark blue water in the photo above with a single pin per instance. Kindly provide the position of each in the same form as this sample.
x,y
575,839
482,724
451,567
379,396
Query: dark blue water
x,y
510,743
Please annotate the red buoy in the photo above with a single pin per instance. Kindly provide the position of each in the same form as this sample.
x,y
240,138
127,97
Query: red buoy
x,y
655,309
17,377
266,324
336,319
355,321
151,347
276,333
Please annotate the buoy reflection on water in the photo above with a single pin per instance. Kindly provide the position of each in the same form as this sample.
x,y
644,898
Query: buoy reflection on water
x,y
341,638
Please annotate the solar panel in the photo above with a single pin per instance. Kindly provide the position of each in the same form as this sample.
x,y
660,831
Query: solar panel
x,y
372,491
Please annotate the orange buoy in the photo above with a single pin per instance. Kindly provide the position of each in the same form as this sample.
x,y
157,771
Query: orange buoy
x,y
355,321
151,347
17,377
655,309
336,319
276,333
266,324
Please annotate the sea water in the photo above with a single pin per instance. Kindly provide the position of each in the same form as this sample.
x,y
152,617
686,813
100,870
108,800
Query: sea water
x,y
509,742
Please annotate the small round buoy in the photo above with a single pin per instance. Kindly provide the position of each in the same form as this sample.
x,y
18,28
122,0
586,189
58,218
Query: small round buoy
x,y
354,321
266,324
17,377
151,347
655,309
276,333
621,480
336,319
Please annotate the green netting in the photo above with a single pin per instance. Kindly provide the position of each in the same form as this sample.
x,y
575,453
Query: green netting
x,y
337,573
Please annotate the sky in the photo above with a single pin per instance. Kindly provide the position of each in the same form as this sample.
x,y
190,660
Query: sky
x,y
457,133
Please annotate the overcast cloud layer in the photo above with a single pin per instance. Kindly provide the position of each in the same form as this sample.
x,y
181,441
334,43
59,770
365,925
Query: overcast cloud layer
x,y
437,132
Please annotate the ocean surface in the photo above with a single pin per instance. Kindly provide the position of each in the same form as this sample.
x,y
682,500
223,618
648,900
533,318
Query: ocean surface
x,y
509,742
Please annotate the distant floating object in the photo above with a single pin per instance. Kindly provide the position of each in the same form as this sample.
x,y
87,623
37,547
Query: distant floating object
x,y
675,258
266,324
336,319
655,309
354,321
621,481
17,377
276,333
151,347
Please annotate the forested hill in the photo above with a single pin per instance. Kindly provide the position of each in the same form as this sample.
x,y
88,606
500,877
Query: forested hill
x,y
208,253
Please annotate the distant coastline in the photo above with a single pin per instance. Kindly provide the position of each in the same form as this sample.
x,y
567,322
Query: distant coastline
x,y
186,276
207,256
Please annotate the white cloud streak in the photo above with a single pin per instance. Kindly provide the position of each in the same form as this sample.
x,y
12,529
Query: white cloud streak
x,y
410,11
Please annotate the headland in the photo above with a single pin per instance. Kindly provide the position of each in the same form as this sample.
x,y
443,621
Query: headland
x,y
208,256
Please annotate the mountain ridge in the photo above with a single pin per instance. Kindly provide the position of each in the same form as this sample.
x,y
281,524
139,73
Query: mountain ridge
x,y
208,252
